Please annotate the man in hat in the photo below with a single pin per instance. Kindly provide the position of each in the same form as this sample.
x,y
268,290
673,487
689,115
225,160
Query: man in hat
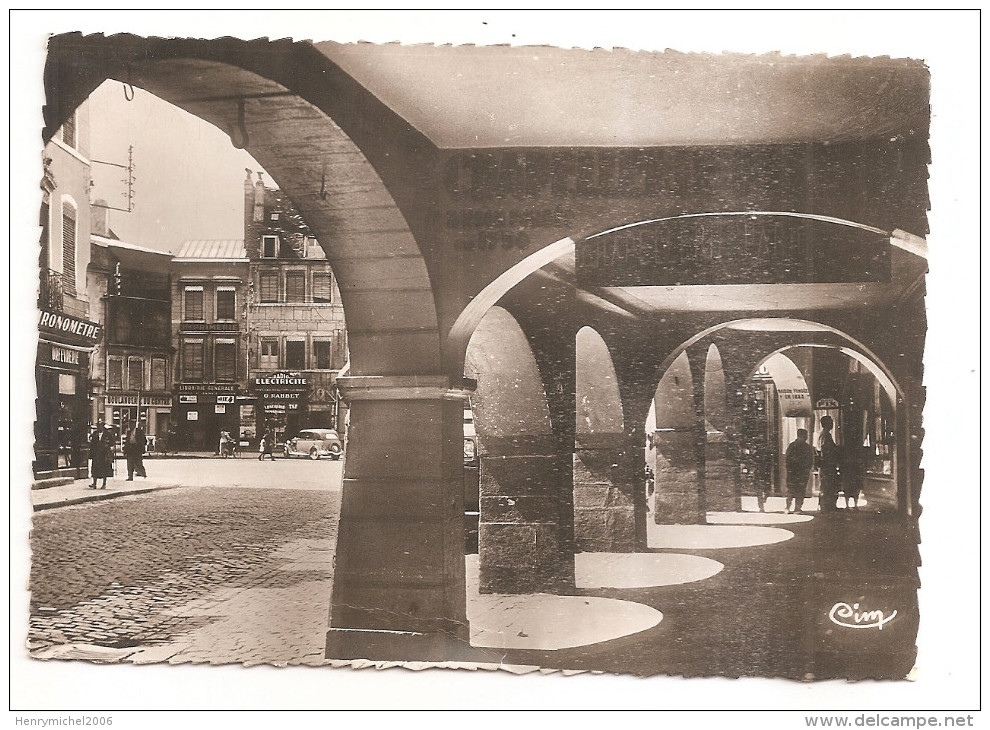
x,y
134,446
101,450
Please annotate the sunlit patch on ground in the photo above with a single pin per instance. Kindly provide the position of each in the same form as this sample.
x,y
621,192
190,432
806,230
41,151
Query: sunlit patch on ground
x,y
641,570
707,537
546,622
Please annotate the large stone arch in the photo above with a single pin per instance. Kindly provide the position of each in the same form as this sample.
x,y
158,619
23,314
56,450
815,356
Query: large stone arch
x,y
799,328
320,136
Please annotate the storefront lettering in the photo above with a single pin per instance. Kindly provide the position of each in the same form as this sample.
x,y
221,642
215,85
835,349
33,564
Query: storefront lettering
x,y
63,323
275,380
63,355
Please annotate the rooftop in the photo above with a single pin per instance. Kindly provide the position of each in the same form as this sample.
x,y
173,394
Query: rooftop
x,y
228,248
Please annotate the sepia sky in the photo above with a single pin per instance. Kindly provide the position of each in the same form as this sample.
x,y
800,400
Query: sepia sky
x,y
188,176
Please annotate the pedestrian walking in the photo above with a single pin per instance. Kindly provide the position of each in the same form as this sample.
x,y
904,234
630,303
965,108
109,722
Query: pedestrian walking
x,y
134,445
828,470
265,448
101,454
799,460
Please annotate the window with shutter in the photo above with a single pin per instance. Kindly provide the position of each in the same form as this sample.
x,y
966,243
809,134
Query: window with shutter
x,y
135,373
322,287
194,303
268,286
69,251
224,360
158,377
295,286
115,374
295,354
226,303
322,353
192,361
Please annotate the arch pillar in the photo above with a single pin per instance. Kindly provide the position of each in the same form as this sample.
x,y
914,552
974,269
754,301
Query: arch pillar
x,y
399,584
526,535
608,484
680,445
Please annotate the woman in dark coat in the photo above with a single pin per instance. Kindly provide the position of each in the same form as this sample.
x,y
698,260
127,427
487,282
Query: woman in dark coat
x,y
101,450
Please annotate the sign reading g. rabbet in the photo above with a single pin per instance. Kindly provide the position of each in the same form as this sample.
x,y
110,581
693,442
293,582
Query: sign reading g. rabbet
x,y
63,324
732,248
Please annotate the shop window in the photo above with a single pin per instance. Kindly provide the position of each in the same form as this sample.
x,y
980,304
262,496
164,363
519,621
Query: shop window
x,y
269,354
269,247
295,286
159,380
295,354
322,353
69,251
226,302
224,360
268,287
115,373
192,361
322,287
275,215
193,303
135,373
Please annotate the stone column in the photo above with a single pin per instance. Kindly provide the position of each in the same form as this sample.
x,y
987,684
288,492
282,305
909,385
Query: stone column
x,y
526,525
398,585
608,481
680,470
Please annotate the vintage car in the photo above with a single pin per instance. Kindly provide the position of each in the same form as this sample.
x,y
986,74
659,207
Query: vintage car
x,y
314,443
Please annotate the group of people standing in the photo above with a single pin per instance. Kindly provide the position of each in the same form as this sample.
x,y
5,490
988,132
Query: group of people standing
x,y
103,452
837,470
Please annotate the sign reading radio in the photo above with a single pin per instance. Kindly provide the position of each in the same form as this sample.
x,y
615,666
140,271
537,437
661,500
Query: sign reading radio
x,y
63,324
281,381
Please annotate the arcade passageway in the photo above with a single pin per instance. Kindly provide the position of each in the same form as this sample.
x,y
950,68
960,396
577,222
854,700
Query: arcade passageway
x,y
619,261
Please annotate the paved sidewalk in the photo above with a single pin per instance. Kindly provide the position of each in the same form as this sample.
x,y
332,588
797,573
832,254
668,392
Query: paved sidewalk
x,y
79,492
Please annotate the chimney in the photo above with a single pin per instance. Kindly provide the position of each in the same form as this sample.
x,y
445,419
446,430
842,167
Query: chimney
x,y
259,200
99,219
248,201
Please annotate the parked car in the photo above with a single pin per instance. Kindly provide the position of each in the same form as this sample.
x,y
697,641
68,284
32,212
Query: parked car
x,y
314,443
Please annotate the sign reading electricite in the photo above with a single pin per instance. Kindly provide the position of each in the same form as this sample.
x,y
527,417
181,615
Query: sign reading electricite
x,y
281,381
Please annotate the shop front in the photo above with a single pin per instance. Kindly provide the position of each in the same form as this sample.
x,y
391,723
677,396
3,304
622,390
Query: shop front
x,y
201,411
282,400
65,344
124,409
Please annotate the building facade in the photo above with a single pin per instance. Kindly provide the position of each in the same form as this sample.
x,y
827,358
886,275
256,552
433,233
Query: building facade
x,y
297,341
130,287
66,333
209,295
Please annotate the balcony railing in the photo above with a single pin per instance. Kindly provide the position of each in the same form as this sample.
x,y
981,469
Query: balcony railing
x,y
51,294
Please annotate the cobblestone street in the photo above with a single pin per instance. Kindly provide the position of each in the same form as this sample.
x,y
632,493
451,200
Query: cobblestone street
x,y
201,574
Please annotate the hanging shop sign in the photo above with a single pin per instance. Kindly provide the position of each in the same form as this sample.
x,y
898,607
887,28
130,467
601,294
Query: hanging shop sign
x,y
64,356
825,404
192,415
187,399
225,400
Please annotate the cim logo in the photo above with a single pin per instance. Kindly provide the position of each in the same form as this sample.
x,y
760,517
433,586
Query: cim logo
x,y
851,617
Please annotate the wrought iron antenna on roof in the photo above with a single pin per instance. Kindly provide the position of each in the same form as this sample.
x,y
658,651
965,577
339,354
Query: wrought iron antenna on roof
x,y
128,181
